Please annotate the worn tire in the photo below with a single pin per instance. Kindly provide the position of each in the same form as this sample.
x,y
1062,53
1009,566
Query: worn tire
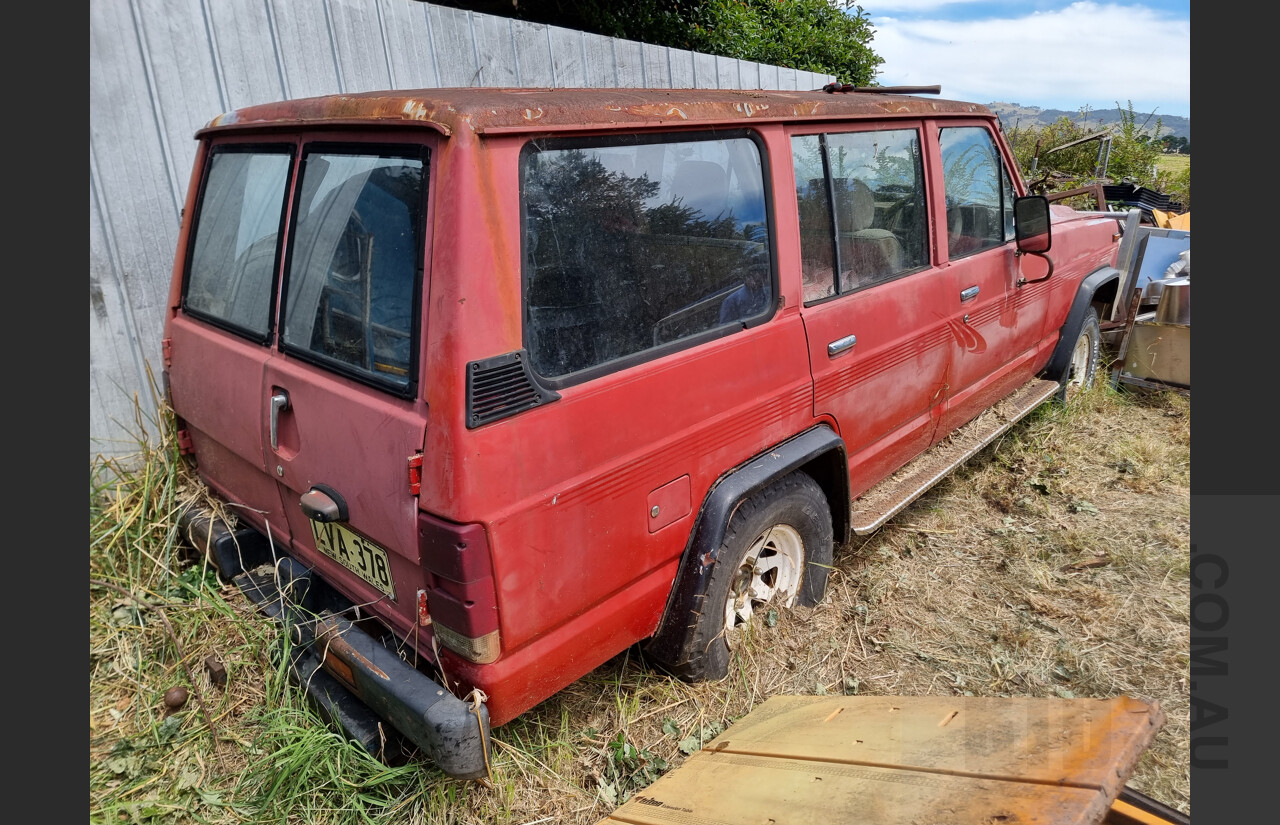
x,y
1082,369
768,525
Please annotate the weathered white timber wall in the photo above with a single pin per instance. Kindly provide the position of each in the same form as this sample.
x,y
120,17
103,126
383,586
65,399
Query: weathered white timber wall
x,y
161,69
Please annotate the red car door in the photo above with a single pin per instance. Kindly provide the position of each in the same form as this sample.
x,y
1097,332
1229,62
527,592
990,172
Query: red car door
x,y
876,312
343,388
219,334
995,323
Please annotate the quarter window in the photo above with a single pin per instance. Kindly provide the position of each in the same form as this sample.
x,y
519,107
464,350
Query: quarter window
x,y
632,248
862,209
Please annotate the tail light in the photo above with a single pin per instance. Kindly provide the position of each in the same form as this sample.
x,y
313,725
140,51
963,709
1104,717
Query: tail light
x,y
481,650
461,597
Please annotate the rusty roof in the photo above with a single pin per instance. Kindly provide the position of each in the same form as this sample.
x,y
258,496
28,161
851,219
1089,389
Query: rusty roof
x,y
497,111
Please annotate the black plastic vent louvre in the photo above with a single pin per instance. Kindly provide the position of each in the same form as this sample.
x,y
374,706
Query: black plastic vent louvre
x,y
502,386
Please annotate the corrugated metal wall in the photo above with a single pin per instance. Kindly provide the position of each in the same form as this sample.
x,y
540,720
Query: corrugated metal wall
x,y
161,69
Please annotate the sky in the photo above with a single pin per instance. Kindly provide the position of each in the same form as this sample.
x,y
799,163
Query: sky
x,y
1043,53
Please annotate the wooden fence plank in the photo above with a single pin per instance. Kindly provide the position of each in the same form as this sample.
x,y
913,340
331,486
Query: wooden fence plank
x,y
408,39
161,69
455,50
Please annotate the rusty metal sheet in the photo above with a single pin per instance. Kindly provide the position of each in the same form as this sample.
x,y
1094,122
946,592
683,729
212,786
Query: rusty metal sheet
x,y
891,760
499,111
1158,352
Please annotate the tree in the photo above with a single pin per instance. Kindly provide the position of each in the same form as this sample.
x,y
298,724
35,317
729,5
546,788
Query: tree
x,y
809,35
1072,165
1133,154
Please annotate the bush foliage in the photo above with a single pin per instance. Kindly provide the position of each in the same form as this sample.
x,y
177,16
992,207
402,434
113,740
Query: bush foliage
x,y
808,35
1135,149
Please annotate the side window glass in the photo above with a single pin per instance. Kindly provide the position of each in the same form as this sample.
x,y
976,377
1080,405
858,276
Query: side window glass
x,y
631,247
231,275
813,199
1010,194
862,209
353,268
976,185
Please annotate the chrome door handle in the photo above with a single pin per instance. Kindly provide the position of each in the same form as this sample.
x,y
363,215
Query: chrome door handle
x,y
279,401
839,346
968,294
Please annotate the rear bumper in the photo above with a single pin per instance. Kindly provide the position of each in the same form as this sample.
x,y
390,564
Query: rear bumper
x,y
354,681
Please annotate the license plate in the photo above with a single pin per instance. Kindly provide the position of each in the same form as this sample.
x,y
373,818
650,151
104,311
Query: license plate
x,y
356,553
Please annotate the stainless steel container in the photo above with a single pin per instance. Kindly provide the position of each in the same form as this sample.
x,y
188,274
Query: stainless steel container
x,y
1175,302
1152,291
1159,352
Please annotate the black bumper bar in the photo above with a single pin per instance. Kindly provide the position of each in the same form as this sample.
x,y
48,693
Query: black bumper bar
x,y
354,681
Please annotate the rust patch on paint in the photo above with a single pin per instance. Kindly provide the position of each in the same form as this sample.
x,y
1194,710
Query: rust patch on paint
x,y
337,647
503,110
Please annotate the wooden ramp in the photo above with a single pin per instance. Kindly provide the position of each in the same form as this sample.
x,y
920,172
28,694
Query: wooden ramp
x,y
875,760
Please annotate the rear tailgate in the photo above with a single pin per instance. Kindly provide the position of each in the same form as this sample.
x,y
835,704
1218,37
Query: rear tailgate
x,y
347,364
357,443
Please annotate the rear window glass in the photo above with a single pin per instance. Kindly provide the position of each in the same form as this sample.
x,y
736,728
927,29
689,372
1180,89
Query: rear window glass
x,y
631,249
233,263
353,267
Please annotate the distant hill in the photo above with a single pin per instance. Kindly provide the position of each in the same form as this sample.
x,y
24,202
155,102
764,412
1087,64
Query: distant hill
x,y
1011,114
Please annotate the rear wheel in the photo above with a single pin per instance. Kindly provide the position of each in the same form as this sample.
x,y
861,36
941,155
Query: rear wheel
x,y
1083,367
771,569
776,553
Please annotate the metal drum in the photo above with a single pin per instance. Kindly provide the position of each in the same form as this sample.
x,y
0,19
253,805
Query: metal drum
x,y
1152,291
1175,302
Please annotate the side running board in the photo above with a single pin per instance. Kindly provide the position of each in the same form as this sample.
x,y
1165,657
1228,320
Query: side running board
x,y
885,500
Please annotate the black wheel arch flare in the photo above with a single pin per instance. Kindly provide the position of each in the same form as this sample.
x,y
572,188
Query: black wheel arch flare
x,y
1061,358
819,450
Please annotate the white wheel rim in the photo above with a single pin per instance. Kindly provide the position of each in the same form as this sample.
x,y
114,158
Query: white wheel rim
x,y
1080,362
770,571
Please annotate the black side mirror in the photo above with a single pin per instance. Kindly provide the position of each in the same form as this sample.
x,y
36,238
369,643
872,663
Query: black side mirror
x,y
1031,224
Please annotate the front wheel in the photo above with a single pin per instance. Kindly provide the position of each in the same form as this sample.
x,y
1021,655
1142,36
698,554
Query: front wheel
x,y
776,552
1083,367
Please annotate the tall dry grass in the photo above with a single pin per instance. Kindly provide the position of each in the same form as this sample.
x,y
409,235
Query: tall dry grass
x,y
1055,563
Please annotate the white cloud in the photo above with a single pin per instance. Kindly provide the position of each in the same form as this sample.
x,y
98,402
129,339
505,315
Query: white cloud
x,y
1085,54
875,8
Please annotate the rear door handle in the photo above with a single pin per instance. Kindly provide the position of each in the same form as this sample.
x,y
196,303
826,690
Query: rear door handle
x,y
323,504
968,294
839,346
279,401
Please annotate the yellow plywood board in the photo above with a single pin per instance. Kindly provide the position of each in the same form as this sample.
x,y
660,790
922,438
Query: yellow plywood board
x,y
893,760
1168,220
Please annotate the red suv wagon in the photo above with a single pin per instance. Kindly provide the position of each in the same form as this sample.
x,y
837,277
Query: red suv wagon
x,y
494,384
